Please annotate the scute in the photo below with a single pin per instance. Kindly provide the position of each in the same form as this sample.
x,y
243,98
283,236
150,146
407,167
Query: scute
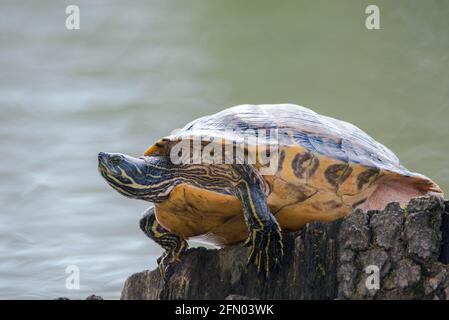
x,y
296,125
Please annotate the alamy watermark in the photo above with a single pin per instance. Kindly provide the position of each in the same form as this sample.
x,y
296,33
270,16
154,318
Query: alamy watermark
x,y
372,281
72,282
372,21
72,21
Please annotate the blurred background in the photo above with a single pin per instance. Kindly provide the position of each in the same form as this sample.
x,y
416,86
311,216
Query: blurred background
x,y
138,69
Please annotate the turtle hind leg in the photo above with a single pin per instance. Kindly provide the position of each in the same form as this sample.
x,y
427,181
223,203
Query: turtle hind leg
x,y
265,237
173,245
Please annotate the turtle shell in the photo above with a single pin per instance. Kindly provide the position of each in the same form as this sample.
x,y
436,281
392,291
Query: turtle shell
x,y
326,168
293,125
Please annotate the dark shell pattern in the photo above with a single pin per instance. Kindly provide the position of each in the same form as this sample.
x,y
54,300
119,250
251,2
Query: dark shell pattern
x,y
317,133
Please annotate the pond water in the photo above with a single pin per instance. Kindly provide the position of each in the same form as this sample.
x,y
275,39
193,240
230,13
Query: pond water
x,y
138,69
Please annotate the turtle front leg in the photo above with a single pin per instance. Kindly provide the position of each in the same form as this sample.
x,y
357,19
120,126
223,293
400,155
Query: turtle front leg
x,y
265,235
173,245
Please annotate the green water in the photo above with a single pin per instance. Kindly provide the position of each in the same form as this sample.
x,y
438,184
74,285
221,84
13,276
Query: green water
x,y
138,69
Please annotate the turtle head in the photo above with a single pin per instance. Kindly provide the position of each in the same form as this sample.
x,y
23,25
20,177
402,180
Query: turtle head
x,y
125,174
140,178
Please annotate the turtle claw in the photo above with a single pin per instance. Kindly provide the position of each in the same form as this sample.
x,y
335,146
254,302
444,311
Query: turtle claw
x,y
267,248
169,259
165,265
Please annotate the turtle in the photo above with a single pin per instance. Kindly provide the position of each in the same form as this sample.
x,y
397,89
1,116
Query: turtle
x,y
325,168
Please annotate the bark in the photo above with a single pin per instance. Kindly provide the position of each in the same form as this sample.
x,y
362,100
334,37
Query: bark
x,y
409,247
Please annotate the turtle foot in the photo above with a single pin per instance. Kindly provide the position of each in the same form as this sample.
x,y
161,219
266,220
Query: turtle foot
x,y
267,248
170,258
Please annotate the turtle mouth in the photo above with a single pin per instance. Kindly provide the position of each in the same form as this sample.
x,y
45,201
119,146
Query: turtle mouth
x,y
110,175
102,162
102,168
104,165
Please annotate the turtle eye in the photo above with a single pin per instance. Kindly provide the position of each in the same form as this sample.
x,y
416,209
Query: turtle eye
x,y
115,160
